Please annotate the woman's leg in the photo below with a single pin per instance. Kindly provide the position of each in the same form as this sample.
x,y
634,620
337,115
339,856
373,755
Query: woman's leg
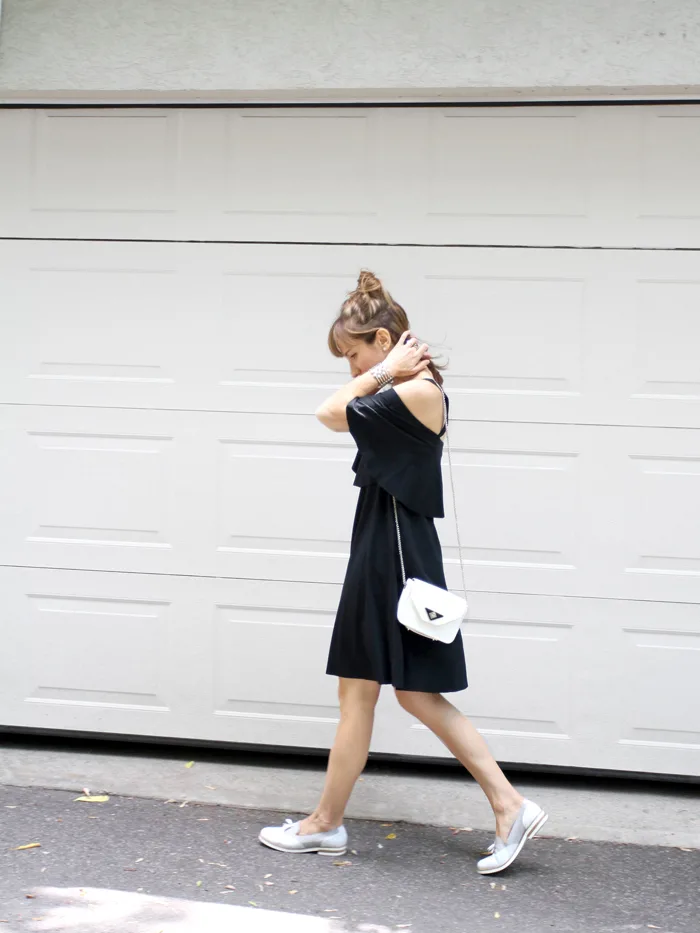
x,y
348,756
456,732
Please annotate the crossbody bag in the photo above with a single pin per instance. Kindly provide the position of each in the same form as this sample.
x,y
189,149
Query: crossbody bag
x,y
424,608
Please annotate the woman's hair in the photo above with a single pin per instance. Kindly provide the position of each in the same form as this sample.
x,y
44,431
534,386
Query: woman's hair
x,y
366,309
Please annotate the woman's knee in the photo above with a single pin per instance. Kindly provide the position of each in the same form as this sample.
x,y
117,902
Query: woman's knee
x,y
417,704
354,694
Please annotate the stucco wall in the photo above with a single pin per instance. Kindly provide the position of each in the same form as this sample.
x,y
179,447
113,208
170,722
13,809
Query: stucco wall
x,y
354,48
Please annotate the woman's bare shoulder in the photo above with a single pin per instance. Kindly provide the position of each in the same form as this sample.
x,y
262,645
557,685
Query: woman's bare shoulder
x,y
424,400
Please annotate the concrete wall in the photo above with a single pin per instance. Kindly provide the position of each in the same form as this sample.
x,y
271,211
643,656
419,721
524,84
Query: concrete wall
x,y
275,49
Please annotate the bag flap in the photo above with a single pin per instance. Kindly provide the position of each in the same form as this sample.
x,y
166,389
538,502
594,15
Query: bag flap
x,y
435,605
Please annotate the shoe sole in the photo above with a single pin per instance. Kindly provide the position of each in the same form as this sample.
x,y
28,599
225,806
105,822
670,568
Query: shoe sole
x,y
531,831
318,849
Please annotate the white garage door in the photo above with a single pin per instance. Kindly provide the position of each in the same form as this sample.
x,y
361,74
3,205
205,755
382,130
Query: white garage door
x,y
175,522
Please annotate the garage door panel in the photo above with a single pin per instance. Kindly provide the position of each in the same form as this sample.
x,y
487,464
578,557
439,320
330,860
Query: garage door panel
x,y
527,171
300,170
518,502
668,193
276,502
131,182
665,341
108,325
133,635
656,702
660,554
283,629
104,489
143,181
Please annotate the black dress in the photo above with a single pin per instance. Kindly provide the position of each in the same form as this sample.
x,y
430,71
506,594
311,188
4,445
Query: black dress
x,y
397,456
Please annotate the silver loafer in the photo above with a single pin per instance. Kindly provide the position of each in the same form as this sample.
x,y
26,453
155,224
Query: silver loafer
x,y
286,838
530,819
489,850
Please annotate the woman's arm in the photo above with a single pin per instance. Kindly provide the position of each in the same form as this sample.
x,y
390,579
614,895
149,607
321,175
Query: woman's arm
x,y
332,411
403,362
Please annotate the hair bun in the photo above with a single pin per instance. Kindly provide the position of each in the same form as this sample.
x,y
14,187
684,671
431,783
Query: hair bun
x,y
368,283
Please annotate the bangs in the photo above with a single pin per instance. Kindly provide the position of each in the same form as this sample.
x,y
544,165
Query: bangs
x,y
340,334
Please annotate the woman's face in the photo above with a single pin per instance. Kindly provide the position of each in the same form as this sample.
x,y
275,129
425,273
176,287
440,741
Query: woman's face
x,y
363,356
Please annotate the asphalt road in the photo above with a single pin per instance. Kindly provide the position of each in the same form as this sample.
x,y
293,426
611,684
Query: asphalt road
x,y
145,866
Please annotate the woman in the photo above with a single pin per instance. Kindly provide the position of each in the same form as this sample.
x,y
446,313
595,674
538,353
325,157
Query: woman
x,y
393,407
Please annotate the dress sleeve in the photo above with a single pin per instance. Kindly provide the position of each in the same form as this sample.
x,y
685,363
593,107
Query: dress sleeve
x,y
397,452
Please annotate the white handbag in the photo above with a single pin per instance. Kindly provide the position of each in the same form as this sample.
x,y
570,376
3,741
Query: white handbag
x,y
424,608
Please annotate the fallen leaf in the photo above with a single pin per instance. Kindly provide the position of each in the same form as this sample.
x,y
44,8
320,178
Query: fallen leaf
x,y
30,896
384,825
252,903
189,764
497,916
391,836
353,851
199,884
94,798
342,864
29,845
293,892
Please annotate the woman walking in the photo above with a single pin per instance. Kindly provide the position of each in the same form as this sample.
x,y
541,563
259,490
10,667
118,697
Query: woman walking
x,y
396,411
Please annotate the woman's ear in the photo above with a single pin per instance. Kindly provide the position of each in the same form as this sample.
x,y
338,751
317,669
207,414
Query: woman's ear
x,y
383,339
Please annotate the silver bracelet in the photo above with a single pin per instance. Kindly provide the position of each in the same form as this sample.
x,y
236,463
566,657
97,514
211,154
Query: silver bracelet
x,y
382,375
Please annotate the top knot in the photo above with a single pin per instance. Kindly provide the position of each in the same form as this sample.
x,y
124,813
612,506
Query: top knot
x,y
368,283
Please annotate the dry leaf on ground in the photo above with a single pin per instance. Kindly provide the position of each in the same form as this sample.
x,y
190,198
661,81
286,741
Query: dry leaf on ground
x,y
92,798
342,864
391,836
189,764
29,845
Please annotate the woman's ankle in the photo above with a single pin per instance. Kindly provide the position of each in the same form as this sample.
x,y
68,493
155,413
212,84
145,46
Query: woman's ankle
x,y
506,805
320,823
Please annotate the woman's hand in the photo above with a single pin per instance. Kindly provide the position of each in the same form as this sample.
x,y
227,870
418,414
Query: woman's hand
x,y
408,358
